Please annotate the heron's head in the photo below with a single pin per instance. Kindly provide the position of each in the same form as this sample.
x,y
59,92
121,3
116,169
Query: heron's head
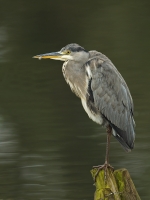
x,y
70,52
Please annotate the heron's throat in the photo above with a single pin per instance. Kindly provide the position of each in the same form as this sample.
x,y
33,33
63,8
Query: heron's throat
x,y
74,74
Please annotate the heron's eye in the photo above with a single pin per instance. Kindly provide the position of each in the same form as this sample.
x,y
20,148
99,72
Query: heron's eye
x,y
68,52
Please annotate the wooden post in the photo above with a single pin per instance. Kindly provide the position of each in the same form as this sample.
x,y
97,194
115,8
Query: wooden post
x,y
117,185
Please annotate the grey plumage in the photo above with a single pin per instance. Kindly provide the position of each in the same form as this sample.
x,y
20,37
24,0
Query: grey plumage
x,y
112,98
103,92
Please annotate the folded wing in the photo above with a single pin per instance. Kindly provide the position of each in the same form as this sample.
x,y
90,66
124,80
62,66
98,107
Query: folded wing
x,y
110,95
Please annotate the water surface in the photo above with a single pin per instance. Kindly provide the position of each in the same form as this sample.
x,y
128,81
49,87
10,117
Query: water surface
x,y
47,142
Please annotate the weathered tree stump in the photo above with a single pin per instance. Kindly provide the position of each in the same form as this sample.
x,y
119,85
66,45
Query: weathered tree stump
x,y
117,185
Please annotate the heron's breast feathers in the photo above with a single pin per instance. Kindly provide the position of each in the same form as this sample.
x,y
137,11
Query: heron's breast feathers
x,y
75,79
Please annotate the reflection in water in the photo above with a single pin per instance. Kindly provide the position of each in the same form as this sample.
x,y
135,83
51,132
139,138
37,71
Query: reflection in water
x,y
3,41
27,175
8,160
36,174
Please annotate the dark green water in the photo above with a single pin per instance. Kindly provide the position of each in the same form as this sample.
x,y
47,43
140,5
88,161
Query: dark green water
x,y
47,142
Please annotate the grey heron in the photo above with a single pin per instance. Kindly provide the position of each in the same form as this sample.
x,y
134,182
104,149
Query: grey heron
x,y
104,93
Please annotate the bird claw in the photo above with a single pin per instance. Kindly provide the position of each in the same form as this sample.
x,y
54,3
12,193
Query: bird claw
x,y
105,166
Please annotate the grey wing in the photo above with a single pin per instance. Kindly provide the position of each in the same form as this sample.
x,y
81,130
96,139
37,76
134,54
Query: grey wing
x,y
111,97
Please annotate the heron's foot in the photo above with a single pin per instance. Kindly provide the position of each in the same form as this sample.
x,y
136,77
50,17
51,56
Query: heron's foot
x,y
105,166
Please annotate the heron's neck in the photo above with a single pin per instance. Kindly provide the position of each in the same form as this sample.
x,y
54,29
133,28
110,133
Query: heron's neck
x,y
74,74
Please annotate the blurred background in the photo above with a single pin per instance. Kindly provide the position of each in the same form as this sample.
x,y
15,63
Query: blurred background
x,y
48,144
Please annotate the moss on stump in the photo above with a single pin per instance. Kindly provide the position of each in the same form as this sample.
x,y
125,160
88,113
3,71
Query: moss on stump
x,y
117,185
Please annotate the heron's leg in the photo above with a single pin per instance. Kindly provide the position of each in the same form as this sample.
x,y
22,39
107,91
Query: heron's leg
x,y
106,164
109,131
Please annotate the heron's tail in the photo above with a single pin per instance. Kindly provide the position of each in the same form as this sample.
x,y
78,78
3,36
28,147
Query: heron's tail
x,y
126,139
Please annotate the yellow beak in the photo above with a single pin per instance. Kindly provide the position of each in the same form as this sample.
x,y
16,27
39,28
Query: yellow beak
x,y
54,55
